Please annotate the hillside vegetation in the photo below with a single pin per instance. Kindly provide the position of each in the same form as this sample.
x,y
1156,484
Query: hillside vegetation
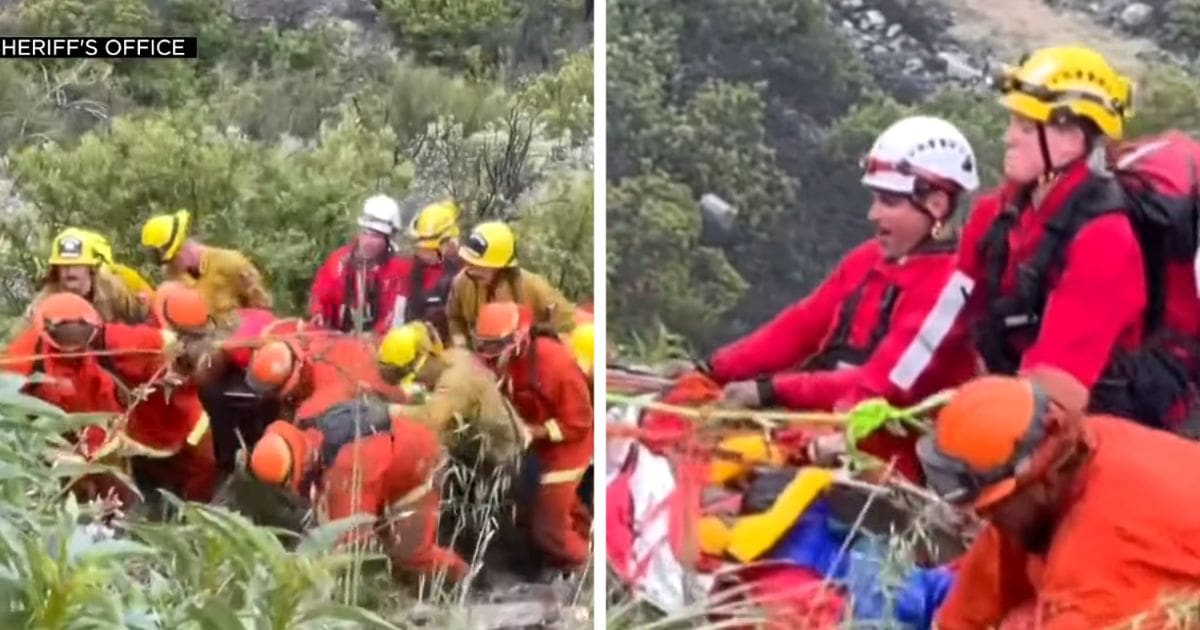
x,y
770,104
294,113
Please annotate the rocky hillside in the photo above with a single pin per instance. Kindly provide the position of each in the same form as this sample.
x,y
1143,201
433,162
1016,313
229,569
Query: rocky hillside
x,y
915,46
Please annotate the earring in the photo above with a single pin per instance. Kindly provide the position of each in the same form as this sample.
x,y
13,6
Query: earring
x,y
939,231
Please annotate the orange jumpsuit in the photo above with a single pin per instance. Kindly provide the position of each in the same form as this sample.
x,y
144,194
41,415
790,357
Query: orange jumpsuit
x,y
1127,540
170,430
398,486
343,367
549,390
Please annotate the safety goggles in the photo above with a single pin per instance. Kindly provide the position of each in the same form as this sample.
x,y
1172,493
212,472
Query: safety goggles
x,y
492,347
958,483
872,166
1007,82
71,335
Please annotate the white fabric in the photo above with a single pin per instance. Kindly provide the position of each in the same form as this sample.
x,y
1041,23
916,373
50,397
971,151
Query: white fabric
x,y
933,331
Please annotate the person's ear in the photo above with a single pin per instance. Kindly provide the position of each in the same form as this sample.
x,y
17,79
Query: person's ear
x,y
937,202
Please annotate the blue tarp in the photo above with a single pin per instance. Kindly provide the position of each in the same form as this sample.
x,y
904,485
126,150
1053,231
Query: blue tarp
x,y
872,588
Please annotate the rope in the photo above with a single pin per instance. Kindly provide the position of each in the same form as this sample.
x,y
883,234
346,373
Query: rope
x,y
710,414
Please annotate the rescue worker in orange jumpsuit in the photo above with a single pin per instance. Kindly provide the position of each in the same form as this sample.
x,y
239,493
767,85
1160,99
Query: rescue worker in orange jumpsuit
x,y
309,374
492,274
93,366
1056,309
397,463
364,282
541,377
167,434
435,231
1088,519
226,278
852,338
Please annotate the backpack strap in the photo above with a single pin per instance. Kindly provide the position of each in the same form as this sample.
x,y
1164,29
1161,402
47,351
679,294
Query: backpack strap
x,y
1022,310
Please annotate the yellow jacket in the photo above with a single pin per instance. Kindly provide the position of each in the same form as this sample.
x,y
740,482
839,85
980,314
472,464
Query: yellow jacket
x,y
228,281
466,297
130,277
466,404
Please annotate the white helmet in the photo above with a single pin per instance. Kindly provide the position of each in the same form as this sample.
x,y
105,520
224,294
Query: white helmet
x,y
920,148
380,213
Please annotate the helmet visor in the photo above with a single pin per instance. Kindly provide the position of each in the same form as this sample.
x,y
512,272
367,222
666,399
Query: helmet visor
x,y
71,336
493,347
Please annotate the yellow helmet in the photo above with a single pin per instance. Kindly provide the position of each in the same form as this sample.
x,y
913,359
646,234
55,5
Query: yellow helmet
x,y
166,233
76,246
406,348
492,245
583,345
1068,80
434,224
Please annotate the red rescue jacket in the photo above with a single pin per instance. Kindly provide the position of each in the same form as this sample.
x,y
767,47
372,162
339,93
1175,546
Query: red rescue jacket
x,y
856,336
335,291
1096,297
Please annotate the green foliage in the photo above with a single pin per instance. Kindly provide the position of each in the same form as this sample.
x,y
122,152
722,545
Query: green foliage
x,y
1182,26
272,139
464,34
657,271
284,208
63,568
1166,98
556,231
724,98
566,96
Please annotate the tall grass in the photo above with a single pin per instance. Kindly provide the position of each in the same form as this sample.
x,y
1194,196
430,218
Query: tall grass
x,y
71,565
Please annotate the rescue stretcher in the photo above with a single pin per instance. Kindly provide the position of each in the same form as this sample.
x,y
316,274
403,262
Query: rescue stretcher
x,y
840,547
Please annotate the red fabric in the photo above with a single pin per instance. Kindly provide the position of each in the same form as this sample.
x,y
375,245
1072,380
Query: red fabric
x,y
618,515
77,385
558,392
250,324
792,597
1095,304
663,429
558,524
806,328
1122,545
430,275
165,419
328,292
340,368
391,468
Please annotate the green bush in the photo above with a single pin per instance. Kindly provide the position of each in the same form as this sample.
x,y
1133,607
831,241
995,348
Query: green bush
x,y
656,270
273,141
467,35
63,568
285,209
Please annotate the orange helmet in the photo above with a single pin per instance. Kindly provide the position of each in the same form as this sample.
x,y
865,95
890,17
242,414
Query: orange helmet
x,y
990,439
500,326
179,307
66,321
281,455
277,367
